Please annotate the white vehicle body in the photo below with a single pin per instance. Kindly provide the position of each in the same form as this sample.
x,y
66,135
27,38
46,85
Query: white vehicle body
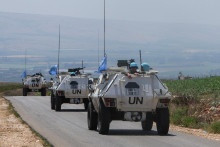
x,y
34,83
128,99
70,89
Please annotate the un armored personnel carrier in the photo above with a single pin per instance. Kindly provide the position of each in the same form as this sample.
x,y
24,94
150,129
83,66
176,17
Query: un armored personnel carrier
x,y
34,83
70,87
141,98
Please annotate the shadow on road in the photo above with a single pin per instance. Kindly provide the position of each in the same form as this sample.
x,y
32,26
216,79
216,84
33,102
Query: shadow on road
x,y
73,110
135,133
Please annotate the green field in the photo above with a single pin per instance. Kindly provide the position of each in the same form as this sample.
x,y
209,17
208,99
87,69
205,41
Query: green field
x,y
194,88
195,103
4,86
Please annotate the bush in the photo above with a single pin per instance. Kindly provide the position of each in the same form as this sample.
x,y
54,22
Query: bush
x,y
189,121
177,115
215,127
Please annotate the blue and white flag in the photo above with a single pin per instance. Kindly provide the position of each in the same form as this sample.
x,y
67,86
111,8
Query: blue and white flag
x,y
53,70
24,75
103,65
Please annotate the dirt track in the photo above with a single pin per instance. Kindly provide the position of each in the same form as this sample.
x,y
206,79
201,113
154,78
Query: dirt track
x,y
13,132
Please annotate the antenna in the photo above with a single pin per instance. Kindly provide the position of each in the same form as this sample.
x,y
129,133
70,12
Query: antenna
x,y
104,28
25,60
82,67
58,65
140,58
98,48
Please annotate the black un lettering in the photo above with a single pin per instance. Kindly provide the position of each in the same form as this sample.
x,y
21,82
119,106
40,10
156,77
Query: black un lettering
x,y
136,100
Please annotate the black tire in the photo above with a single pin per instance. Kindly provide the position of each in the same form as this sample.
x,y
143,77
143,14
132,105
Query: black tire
x,y
92,117
103,119
25,91
148,123
43,92
52,100
86,103
163,121
58,103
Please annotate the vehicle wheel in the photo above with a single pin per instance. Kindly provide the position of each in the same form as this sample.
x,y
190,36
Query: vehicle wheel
x,y
43,92
58,103
86,103
92,117
25,91
52,100
148,123
103,119
163,121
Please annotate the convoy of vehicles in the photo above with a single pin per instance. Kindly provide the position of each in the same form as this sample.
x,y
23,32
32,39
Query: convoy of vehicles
x,y
121,93
117,95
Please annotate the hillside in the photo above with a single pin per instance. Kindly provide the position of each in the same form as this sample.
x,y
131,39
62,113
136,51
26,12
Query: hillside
x,y
167,47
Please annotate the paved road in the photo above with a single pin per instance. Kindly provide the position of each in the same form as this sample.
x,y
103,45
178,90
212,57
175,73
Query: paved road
x,y
69,128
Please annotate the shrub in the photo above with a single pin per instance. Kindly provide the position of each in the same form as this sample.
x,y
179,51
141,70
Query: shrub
x,y
177,115
189,121
215,127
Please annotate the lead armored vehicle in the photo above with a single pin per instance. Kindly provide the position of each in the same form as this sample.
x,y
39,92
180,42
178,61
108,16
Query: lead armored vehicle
x,y
70,87
141,98
34,83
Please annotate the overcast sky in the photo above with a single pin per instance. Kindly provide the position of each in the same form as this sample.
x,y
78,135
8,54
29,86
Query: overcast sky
x,y
183,11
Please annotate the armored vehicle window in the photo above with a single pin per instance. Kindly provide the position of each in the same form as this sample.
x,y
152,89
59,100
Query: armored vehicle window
x,y
132,88
74,84
132,91
131,85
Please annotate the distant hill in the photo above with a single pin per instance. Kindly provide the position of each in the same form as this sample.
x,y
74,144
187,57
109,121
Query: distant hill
x,y
167,47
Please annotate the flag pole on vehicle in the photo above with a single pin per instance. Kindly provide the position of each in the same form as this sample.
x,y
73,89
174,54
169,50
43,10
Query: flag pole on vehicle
x,y
104,28
58,65
103,64
25,62
140,58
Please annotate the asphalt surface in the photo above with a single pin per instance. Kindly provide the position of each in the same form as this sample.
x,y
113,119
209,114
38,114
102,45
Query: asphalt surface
x,y
69,128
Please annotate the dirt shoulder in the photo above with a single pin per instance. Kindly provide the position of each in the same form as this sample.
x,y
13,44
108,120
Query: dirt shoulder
x,y
197,132
13,132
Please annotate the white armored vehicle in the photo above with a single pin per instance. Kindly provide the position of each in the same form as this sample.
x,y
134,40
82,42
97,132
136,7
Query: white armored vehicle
x,y
34,83
70,87
139,97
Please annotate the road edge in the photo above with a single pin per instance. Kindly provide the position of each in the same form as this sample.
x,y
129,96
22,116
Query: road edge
x,y
12,110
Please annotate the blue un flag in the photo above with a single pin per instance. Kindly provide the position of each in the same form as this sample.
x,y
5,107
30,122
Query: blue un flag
x,y
103,65
53,70
24,75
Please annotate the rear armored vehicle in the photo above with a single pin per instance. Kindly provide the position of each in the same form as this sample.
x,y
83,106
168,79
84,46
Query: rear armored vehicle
x,y
70,87
120,95
34,83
